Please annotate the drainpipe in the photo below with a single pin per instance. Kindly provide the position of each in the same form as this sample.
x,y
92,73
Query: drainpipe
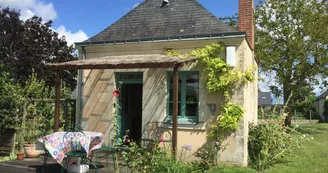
x,y
79,100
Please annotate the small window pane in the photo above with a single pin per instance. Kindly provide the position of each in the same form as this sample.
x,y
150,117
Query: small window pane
x,y
192,95
192,87
191,109
131,76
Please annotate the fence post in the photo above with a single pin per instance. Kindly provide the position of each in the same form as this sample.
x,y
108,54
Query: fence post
x,y
295,115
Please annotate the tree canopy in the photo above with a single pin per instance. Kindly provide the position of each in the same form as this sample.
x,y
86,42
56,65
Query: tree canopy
x,y
291,41
28,45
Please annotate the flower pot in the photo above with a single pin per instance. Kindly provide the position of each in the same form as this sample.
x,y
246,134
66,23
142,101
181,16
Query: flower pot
x,y
20,156
30,151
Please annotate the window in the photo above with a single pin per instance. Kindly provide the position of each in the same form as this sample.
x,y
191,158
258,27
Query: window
x,y
188,96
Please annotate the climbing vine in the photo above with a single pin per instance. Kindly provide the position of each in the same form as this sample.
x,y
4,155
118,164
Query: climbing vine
x,y
222,78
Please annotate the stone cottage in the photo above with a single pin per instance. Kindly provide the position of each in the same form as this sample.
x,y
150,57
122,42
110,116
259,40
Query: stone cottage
x,y
145,103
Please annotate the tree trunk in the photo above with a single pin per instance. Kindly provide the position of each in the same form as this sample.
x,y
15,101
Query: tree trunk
x,y
287,95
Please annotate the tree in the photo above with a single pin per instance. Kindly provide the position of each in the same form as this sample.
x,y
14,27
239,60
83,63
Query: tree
x,y
231,20
304,102
291,40
28,45
10,101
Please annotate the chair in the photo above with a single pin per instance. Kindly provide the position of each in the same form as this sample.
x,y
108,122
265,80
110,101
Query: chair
x,y
153,134
72,141
109,149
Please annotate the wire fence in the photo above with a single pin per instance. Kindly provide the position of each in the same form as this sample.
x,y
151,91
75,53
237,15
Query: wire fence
x,y
297,116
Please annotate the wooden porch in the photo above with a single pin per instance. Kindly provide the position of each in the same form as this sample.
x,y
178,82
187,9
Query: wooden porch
x,y
35,166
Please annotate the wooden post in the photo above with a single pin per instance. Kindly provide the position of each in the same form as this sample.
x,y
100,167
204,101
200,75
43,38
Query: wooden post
x,y
21,143
175,109
57,102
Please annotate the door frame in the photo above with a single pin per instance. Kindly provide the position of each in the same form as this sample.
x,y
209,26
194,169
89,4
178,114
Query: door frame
x,y
119,82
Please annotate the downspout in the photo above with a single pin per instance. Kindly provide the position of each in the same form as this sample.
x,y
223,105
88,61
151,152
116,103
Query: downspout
x,y
79,100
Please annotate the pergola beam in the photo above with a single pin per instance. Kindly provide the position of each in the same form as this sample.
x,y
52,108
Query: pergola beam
x,y
111,66
123,62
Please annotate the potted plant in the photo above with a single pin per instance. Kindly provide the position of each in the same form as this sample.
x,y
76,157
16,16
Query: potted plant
x,y
20,155
31,134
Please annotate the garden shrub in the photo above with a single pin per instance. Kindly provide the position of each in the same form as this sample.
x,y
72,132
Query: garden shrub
x,y
10,102
157,160
271,140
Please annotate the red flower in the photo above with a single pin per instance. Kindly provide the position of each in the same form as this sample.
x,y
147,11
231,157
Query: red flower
x,y
127,140
116,93
161,140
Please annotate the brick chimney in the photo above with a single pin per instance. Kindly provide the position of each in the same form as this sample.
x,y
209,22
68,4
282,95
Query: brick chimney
x,y
246,19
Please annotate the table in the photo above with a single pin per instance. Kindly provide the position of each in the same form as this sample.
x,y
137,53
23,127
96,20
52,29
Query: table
x,y
58,145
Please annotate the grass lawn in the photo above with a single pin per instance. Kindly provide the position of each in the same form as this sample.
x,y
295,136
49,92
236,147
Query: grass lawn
x,y
312,157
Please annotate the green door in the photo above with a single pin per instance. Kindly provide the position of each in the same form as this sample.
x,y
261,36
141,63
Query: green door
x,y
130,104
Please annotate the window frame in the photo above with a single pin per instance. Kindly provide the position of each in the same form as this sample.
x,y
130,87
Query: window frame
x,y
183,118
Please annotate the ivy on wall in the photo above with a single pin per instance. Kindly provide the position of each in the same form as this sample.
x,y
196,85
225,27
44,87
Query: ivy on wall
x,y
222,78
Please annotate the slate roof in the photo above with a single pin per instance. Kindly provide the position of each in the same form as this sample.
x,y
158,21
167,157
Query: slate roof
x,y
182,18
323,95
264,99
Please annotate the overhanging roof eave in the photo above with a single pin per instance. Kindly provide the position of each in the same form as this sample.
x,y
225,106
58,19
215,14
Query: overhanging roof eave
x,y
162,39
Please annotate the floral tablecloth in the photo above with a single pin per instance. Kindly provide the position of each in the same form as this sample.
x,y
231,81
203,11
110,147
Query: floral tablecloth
x,y
58,143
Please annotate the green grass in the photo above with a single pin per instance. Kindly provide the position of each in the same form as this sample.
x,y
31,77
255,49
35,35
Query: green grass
x,y
312,157
232,169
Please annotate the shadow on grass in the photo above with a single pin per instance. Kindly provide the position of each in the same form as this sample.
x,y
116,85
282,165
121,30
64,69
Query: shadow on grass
x,y
281,161
312,129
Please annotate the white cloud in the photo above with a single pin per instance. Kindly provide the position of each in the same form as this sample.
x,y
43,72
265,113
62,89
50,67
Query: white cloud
x,y
29,8
71,38
136,4
267,79
319,87
317,90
